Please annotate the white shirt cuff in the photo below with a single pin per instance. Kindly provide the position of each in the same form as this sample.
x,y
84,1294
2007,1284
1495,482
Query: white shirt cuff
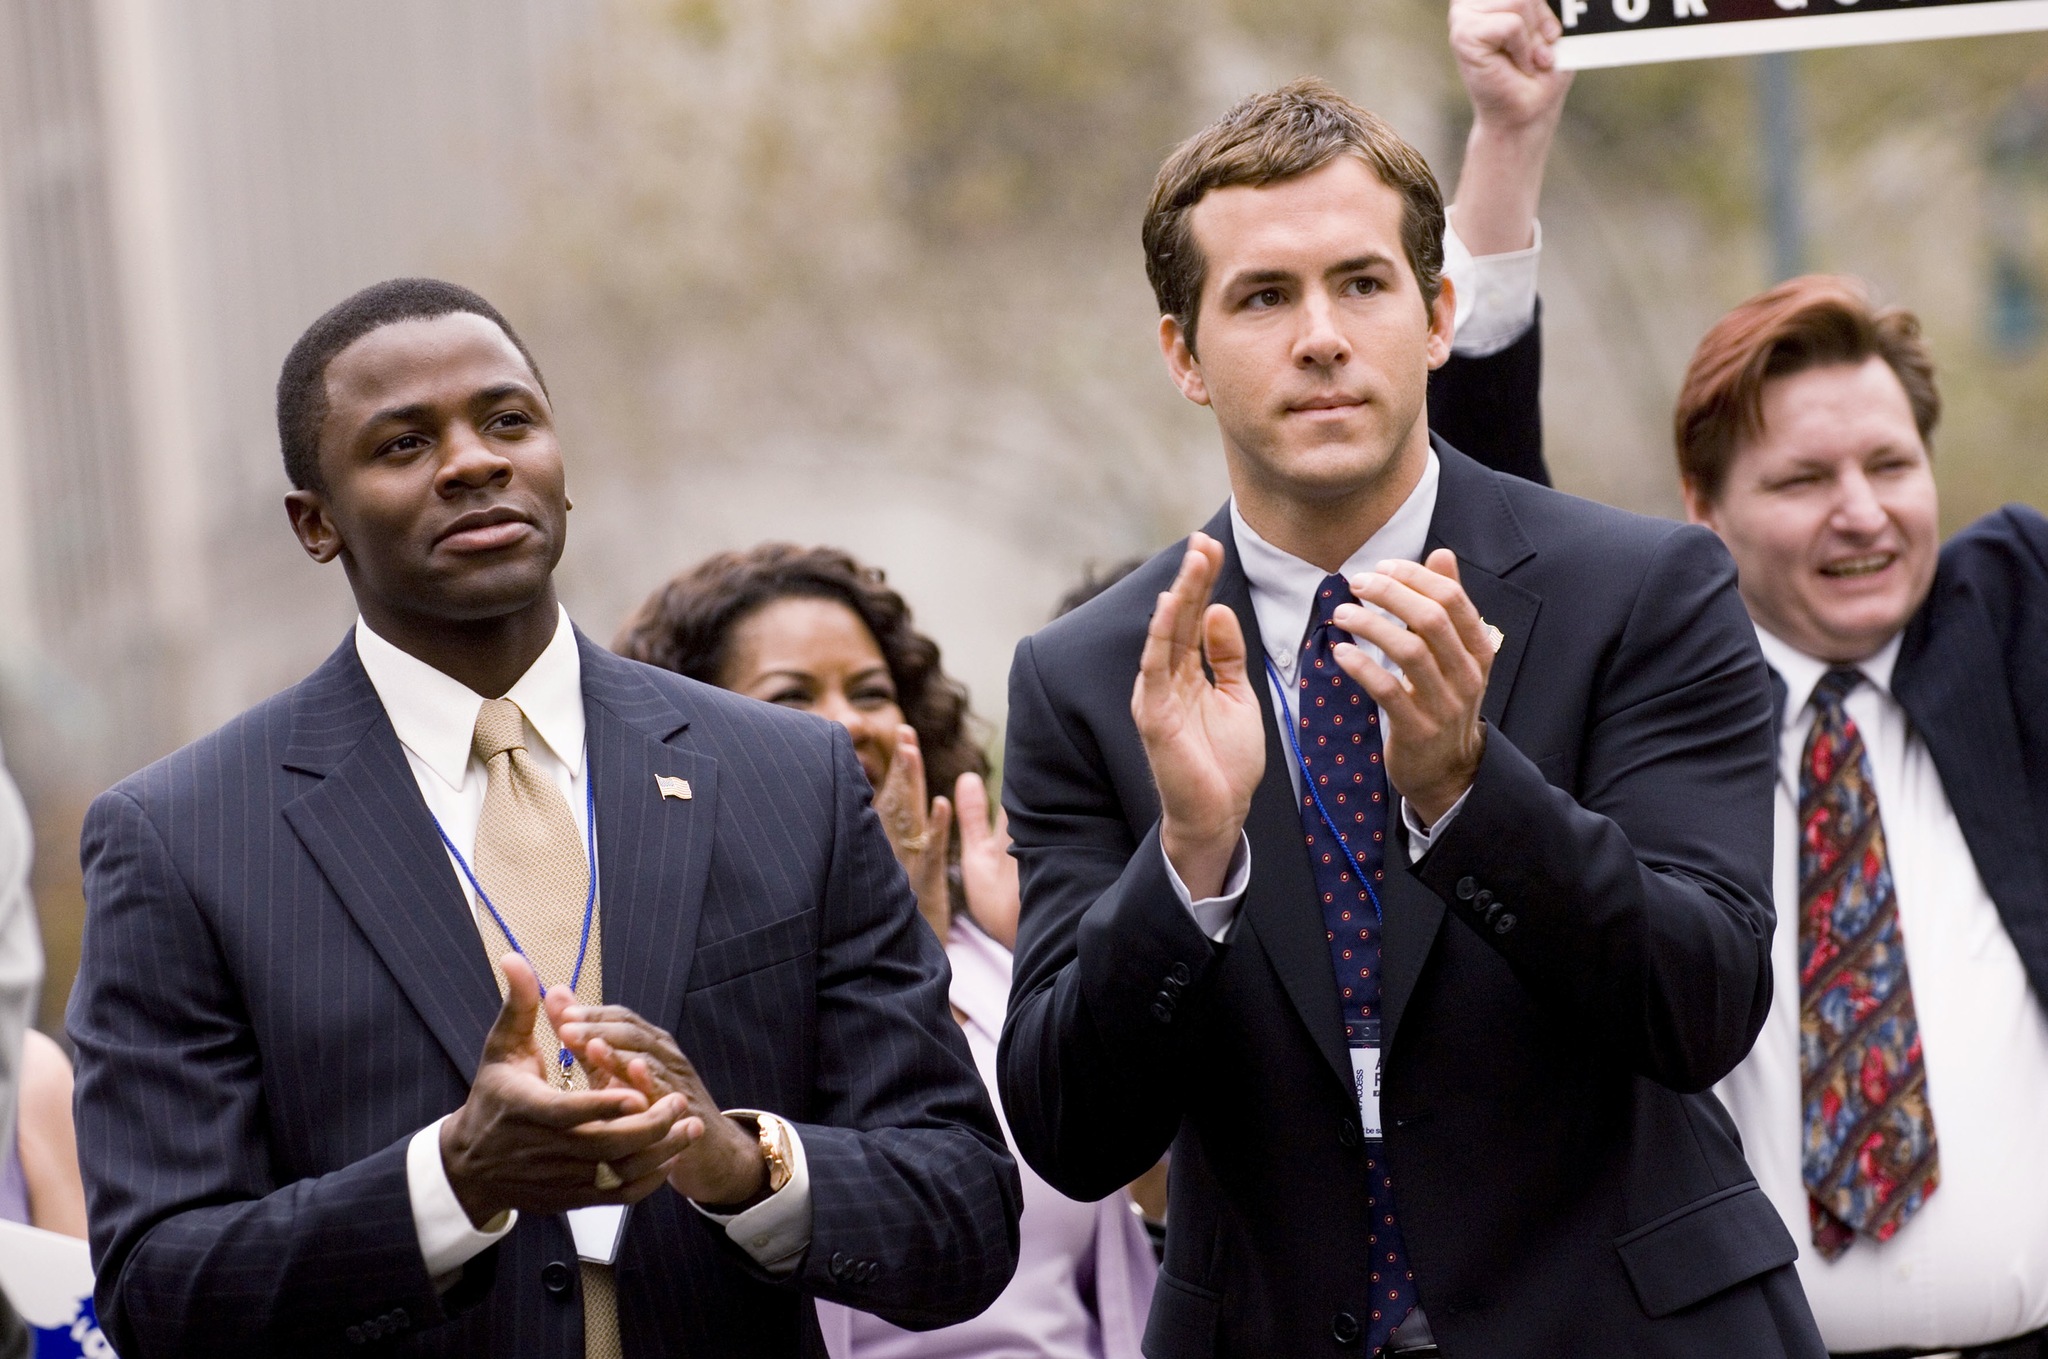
x,y
1217,916
1496,294
777,1230
447,1240
1421,838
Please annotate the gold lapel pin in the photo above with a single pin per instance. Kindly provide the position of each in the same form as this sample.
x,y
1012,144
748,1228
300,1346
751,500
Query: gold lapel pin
x,y
672,787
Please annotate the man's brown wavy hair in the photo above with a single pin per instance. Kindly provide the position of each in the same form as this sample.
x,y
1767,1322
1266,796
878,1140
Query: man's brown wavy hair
x,y
687,626
1808,322
1298,128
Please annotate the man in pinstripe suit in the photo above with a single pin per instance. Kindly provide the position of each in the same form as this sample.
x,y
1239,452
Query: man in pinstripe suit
x,y
303,1130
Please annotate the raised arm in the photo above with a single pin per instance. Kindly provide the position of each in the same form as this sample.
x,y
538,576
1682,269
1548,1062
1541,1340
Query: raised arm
x,y
1485,400
1507,57
1112,963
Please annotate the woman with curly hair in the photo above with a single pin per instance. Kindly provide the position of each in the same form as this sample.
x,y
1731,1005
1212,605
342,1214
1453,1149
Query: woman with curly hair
x,y
814,629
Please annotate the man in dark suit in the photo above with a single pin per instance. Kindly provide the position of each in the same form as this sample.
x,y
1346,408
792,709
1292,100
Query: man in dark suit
x,y
1426,691
1895,1103
302,1129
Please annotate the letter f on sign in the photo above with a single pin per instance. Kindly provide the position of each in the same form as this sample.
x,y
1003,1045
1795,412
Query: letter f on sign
x,y
1572,10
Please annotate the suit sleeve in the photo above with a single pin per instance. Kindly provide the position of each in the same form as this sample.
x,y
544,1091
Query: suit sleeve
x,y
200,1244
1640,910
1107,957
914,1198
1490,408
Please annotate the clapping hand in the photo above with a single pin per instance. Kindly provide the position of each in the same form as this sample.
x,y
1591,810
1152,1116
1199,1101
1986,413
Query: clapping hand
x,y
988,875
1205,738
718,1163
519,1143
1430,726
918,831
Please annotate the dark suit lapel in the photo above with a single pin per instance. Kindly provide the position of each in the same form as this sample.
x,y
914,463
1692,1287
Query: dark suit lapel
x,y
1279,904
369,831
653,852
1949,679
1474,520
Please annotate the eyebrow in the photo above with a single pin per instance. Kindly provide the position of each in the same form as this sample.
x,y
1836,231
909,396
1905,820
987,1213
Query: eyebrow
x,y
1262,278
418,413
421,412
492,395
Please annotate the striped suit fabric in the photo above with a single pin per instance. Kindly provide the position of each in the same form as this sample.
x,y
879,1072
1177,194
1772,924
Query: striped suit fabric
x,y
282,982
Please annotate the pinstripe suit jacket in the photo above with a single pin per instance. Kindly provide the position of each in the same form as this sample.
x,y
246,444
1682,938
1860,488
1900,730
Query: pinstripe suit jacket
x,y
282,982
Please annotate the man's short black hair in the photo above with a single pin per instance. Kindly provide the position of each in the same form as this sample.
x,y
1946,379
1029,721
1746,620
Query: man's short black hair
x,y
302,384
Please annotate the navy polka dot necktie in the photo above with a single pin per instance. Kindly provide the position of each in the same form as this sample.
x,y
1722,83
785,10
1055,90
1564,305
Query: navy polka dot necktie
x,y
1338,727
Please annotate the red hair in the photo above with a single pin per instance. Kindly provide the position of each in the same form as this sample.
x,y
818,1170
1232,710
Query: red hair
x,y
1808,322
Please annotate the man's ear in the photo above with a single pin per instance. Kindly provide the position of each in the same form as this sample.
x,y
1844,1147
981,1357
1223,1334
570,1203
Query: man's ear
x,y
1181,362
1443,318
313,526
1699,507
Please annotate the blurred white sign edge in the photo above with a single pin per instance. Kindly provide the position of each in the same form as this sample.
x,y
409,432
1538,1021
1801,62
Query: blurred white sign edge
x,y
1799,32
43,1274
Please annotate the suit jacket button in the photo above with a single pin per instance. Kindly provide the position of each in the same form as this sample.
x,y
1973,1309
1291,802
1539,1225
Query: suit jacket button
x,y
1466,887
555,1277
837,1268
1482,900
1347,1132
1505,923
1162,1011
354,1334
1344,1328
1180,974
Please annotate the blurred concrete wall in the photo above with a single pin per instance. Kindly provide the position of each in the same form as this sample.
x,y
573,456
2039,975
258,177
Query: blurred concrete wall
x,y
187,184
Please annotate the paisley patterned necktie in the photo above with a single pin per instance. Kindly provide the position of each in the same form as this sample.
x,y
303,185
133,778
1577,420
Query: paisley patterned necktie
x,y
1869,1155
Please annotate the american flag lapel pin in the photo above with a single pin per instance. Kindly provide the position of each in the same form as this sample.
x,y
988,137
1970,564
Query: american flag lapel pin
x,y
673,787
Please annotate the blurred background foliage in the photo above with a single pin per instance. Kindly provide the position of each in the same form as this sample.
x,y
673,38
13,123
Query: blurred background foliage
x,y
879,257
866,272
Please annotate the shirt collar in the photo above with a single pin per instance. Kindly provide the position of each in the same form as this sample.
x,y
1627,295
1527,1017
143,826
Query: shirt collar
x,y
1802,672
1283,586
435,714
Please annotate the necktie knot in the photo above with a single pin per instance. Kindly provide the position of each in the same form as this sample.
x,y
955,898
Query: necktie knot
x,y
1322,610
1835,687
499,727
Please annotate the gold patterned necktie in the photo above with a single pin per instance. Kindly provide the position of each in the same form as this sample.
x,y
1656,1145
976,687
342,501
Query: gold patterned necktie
x,y
534,868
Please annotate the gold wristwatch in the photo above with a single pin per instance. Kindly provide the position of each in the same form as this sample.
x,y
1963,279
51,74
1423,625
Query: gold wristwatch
x,y
774,1136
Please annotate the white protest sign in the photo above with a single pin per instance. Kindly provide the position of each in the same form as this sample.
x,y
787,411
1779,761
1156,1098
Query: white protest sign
x,y
1631,32
48,1278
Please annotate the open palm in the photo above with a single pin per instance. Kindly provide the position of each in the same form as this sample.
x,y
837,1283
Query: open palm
x,y
1204,737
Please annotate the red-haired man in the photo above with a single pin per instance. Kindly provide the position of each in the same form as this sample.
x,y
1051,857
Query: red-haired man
x,y
1895,1104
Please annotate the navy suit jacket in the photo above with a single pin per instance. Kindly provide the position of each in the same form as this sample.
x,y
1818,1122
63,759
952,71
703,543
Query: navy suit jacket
x,y
1582,953
1972,675
282,982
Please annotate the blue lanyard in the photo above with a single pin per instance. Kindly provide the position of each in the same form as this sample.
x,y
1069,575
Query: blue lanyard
x,y
589,902
1308,781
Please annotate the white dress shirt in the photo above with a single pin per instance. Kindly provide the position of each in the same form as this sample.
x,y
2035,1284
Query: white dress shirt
x,y
1283,590
1971,1266
1494,296
435,718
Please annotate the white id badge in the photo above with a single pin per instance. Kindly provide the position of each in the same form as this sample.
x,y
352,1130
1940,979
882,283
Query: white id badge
x,y
598,1232
1365,1077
